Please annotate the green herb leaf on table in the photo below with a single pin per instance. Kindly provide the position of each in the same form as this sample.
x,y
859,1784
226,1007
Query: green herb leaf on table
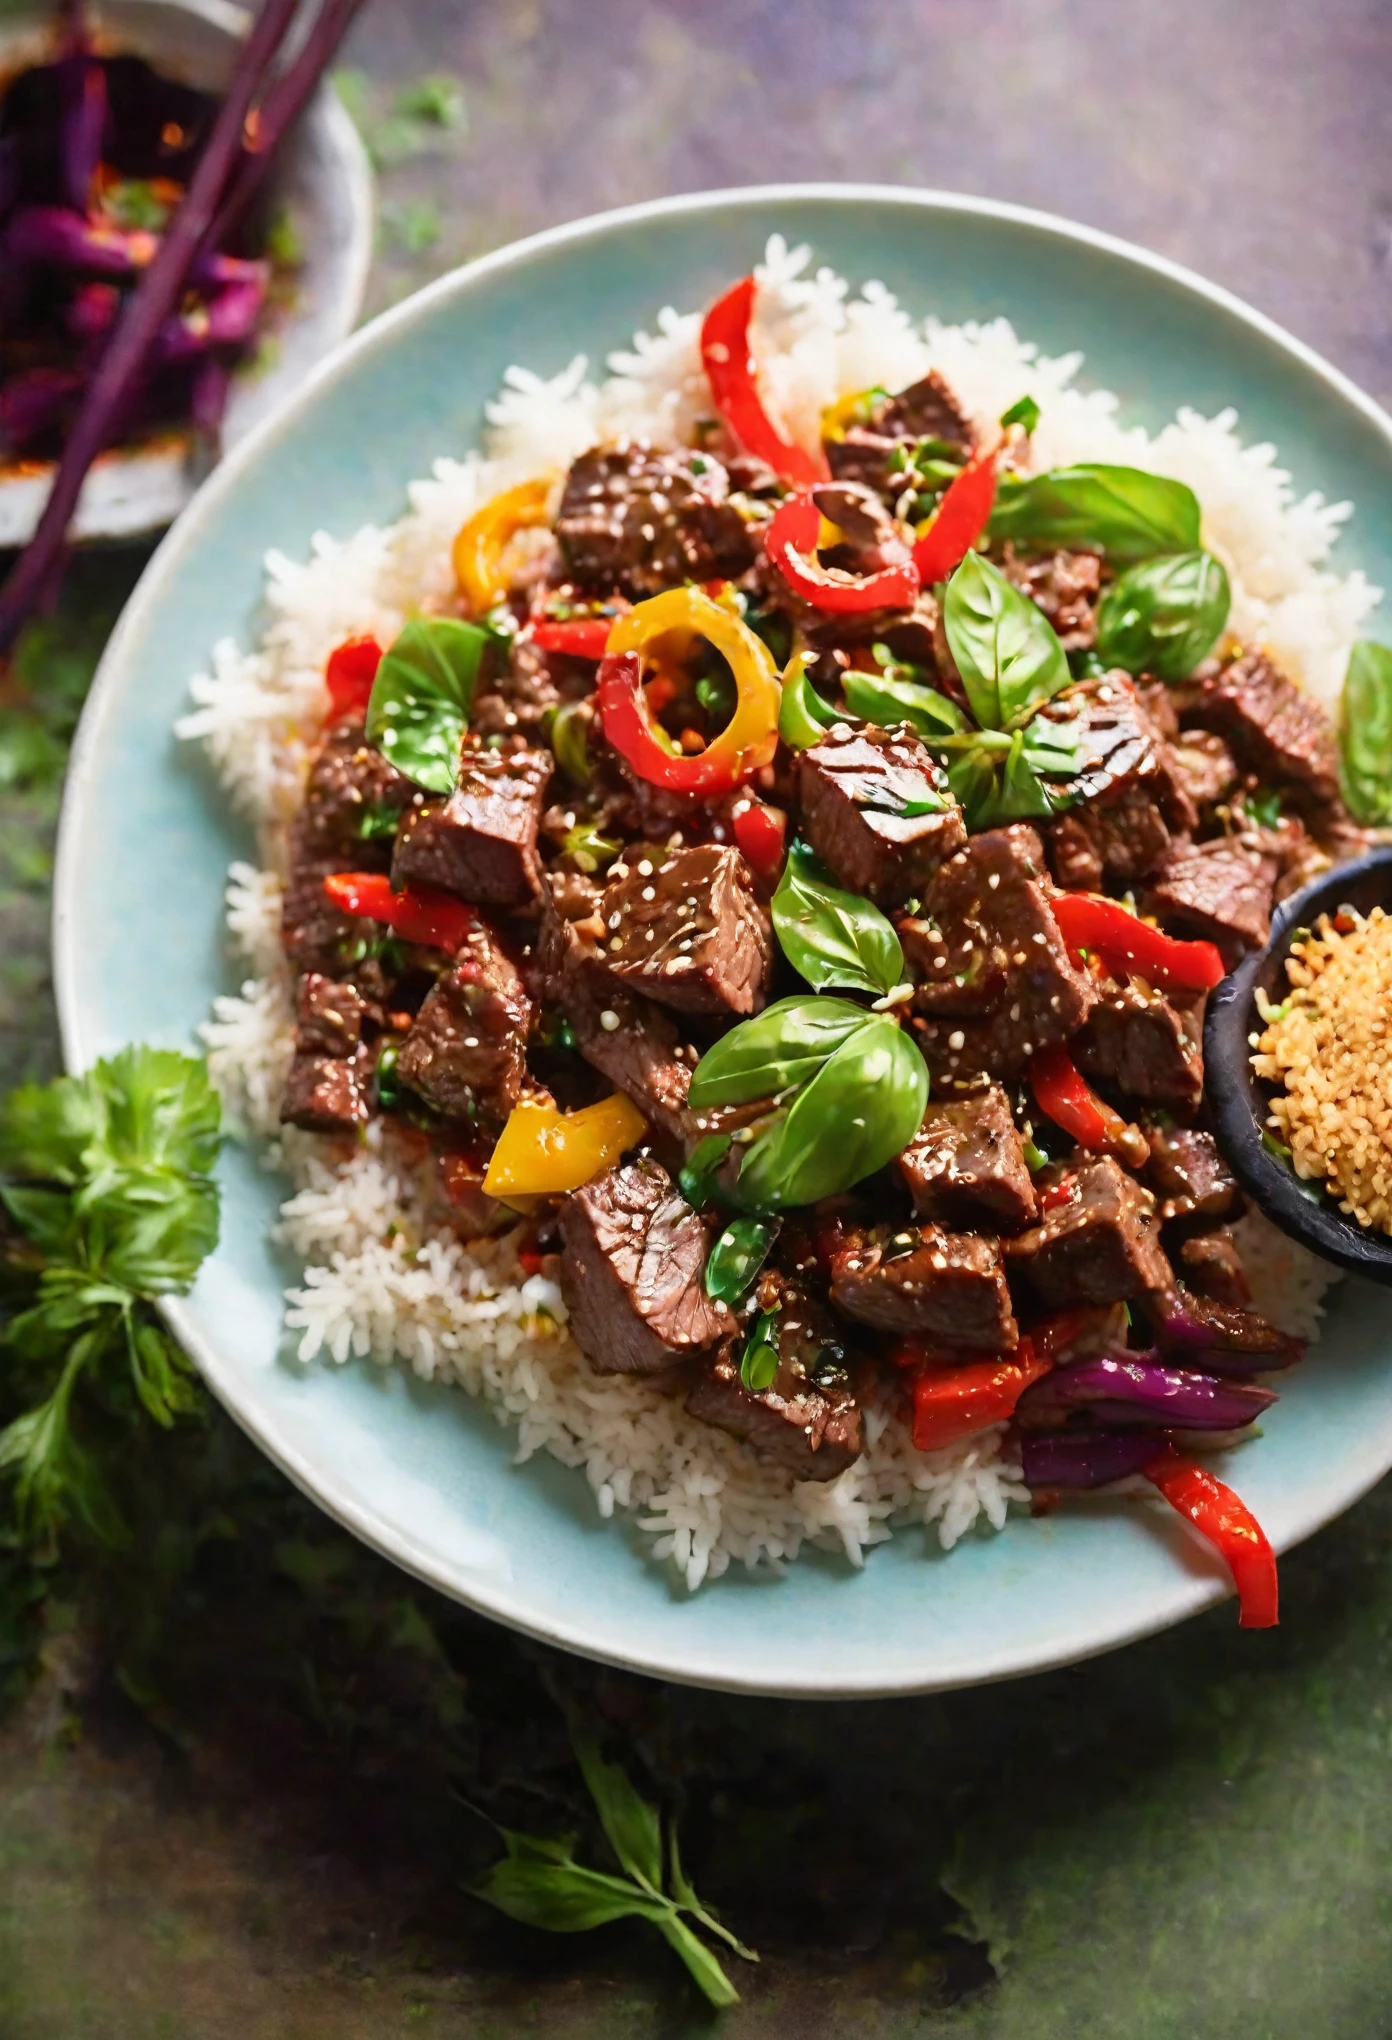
x,y
1006,650
1365,734
830,936
781,1047
1120,511
860,1110
1164,615
422,696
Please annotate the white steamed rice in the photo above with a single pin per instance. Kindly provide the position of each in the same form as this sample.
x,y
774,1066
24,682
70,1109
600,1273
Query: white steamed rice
x,y
378,1282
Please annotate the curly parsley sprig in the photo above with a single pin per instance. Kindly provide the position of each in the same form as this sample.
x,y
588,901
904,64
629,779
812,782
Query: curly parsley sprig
x,y
108,1203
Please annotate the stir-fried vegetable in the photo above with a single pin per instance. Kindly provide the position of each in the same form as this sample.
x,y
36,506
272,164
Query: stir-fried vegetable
x,y
951,1401
1118,1391
860,1110
349,674
421,696
1130,946
1065,1096
803,716
419,913
1230,1527
729,364
791,543
736,1258
761,835
543,1151
580,637
1122,512
482,543
959,520
833,938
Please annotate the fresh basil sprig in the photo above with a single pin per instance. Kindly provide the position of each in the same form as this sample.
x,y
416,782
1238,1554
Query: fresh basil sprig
x,y
885,699
1120,511
830,936
1365,734
1164,615
1006,649
861,1109
782,1046
421,698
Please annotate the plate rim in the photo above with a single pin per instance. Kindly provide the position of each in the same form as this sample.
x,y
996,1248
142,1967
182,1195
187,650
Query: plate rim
x,y
1192,1592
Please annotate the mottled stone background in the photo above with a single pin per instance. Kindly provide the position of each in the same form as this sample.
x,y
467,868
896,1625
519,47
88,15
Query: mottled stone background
x,y
232,1802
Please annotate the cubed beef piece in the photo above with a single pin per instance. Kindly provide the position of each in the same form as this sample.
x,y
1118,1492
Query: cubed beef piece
x,y
1129,795
947,1287
329,1016
1075,855
318,938
465,1053
1220,890
1276,730
1096,1242
482,842
328,1093
1207,769
352,804
877,811
1211,1264
875,453
1158,701
1189,1175
638,521
518,700
460,1201
966,1164
807,1420
686,929
993,979
1146,1045
1065,585
631,1272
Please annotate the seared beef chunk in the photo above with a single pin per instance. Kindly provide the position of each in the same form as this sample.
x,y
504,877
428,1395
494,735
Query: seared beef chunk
x,y
876,810
631,1272
993,975
329,1016
1211,1264
1096,1241
353,802
966,1165
463,1203
1075,855
318,938
688,930
1145,1045
519,698
808,1419
947,1287
465,1051
1189,1175
1220,890
638,521
1066,586
1129,794
1276,730
876,453
482,842
1158,701
328,1093
1207,770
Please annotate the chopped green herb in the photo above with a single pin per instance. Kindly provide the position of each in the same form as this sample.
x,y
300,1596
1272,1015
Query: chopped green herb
x,y
759,1361
736,1258
1024,411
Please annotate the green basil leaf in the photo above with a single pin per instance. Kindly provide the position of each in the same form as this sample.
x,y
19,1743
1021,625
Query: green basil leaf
x,y
632,1826
759,1360
697,1179
972,778
707,1974
1006,649
784,1045
1164,615
831,936
421,698
564,1898
1120,511
860,1110
1024,411
803,717
878,698
736,1258
1365,733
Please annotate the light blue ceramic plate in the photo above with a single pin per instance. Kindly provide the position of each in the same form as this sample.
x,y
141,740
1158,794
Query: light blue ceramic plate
x,y
424,1475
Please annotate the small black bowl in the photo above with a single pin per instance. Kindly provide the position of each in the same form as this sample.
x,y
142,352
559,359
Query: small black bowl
x,y
1238,1098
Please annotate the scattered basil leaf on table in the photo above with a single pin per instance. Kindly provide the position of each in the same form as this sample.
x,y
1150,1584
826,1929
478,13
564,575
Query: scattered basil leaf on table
x,y
1164,615
1120,511
1365,733
759,1360
883,699
861,1109
736,1258
1024,411
1006,650
782,1046
803,716
830,936
421,698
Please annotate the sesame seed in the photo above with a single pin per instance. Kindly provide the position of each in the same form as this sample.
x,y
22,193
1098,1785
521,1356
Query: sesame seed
x,y
609,1019
649,892
645,868
994,880
471,1041
957,1039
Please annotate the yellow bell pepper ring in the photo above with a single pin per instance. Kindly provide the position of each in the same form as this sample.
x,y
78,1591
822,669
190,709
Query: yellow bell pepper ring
x,y
543,1151
479,547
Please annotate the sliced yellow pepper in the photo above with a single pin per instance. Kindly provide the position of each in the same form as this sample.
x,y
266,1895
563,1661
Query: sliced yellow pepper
x,y
855,409
662,630
543,1151
478,549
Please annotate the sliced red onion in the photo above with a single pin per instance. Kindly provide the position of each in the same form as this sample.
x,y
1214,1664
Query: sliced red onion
x,y
225,321
1131,1390
82,86
34,403
1222,1338
1063,1459
92,310
51,234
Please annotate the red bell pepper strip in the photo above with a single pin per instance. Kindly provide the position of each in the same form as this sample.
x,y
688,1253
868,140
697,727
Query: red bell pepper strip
x,y
349,675
761,836
791,543
729,367
1128,945
421,913
959,521
951,1402
583,637
1067,1098
1230,1527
